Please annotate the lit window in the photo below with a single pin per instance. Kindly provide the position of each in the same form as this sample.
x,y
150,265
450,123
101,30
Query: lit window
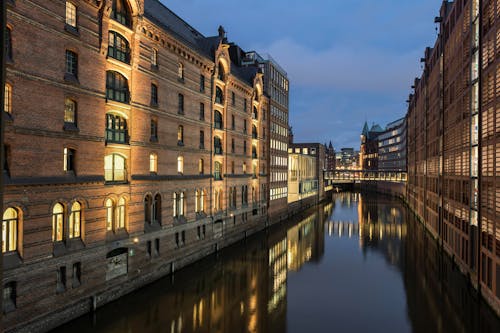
x,y
116,129
70,111
180,164
180,72
180,135
109,214
69,159
71,63
115,168
201,166
10,224
118,47
120,213
75,220
154,57
153,162
202,201
197,197
57,223
70,14
217,171
244,168
8,99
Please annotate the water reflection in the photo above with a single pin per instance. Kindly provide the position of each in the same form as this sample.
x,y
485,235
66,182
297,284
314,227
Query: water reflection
x,y
358,263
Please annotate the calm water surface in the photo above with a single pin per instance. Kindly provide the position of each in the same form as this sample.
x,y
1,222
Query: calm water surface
x,y
358,264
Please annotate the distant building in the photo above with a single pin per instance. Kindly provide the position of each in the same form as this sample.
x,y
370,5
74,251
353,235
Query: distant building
x,y
346,158
306,163
329,157
369,147
392,147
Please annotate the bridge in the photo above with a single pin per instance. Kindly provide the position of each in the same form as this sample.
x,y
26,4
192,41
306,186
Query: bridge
x,y
357,176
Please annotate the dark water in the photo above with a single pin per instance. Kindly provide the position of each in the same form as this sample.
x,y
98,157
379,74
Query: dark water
x,y
358,264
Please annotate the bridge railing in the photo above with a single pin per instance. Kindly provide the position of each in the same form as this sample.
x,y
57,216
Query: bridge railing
x,y
365,175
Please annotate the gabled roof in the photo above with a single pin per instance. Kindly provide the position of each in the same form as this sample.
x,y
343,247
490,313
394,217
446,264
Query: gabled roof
x,y
365,130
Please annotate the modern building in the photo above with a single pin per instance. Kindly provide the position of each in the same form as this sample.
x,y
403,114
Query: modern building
x,y
392,147
346,158
134,145
453,143
368,153
306,165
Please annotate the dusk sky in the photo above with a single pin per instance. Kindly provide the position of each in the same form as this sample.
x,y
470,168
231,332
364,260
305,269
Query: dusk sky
x,y
347,61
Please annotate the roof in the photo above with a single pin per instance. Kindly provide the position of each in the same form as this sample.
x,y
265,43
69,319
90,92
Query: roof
x,y
376,128
365,130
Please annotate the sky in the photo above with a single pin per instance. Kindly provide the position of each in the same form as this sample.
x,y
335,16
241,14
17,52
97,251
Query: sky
x,y
348,61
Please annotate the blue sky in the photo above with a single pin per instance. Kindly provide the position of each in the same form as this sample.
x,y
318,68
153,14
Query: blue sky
x,y
347,60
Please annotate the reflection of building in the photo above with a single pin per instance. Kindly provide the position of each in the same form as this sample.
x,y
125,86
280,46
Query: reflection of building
x,y
392,147
453,142
305,171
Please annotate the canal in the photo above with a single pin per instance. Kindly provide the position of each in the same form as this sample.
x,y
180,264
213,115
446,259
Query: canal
x,y
360,263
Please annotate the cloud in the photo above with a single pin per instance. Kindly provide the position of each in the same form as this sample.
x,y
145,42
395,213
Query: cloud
x,y
346,68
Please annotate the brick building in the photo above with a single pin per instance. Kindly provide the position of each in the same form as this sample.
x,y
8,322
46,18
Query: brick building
x,y
453,142
368,152
134,145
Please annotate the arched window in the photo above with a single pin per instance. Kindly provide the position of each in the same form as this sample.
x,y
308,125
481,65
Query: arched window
x,y
58,222
118,47
157,209
121,13
201,166
10,225
218,171
69,112
115,168
202,201
181,204
153,163
7,103
117,87
116,129
75,220
254,131
255,113
148,202
120,214
175,208
219,96
109,214
218,123
217,145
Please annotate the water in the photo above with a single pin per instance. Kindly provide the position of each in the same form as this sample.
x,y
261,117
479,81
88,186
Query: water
x,y
358,264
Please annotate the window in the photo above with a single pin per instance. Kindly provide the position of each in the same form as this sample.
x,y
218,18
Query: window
x,y
7,103
245,105
197,199
202,140
244,168
71,64
232,145
181,104
61,279
232,167
9,297
245,126
178,204
148,204
117,87
115,216
156,209
69,159
217,171
180,135
218,123
233,98
232,122
202,201
201,166
154,130
255,113
70,14
154,57
180,164
75,220
254,151
8,43
154,94
118,47
180,72
254,132
70,112
202,83
10,225
115,168
244,147
121,13
217,146
57,222
202,111
221,73
153,162
116,129
219,96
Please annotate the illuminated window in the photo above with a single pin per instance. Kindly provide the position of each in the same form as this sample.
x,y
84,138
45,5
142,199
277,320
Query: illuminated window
x,y
255,114
180,164
58,223
70,111
180,135
70,14
202,201
154,57
8,99
115,168
115,215
244,168
118,47
218,171
197,199
10,225
201,166
69,159
116,129
117,87
109,214
180,72
75,220
121,13
153,162
181,204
